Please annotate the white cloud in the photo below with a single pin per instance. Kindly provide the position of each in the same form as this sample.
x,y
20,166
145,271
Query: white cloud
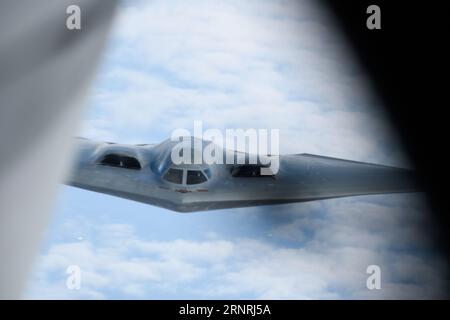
x,y
238,65
312,253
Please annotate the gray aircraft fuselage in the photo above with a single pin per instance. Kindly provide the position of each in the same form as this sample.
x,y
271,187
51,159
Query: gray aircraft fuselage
x,y
146,173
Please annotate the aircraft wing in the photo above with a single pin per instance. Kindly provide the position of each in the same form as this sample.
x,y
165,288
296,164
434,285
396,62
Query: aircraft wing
x,y
301,178
146,174
46,70
327,177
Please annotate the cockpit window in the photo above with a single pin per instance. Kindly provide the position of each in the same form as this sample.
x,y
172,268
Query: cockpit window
x,y
195,177
247,171
208,173
174,175
121,161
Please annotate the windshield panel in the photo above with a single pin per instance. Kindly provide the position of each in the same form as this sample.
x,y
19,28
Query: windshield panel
x,y
174,175
195,177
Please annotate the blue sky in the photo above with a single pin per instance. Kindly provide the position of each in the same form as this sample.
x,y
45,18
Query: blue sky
x,y
235,64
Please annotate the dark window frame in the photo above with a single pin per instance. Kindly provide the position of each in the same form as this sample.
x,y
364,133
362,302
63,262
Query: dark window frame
x,y
167,176
248,171
122,161
199,174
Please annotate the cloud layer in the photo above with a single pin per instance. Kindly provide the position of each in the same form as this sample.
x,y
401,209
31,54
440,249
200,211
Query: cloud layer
x,y
277,64
319,251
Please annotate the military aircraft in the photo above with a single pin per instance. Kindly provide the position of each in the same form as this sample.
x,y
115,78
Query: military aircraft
x,y
146,173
